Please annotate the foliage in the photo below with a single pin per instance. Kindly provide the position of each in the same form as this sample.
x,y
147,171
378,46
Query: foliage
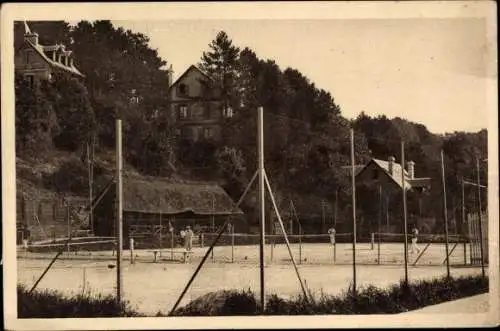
x,y
73,110
52,304
36,121
70,177
221,303
368,300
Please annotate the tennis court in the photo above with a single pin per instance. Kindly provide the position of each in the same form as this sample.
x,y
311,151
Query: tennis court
x,y
153,287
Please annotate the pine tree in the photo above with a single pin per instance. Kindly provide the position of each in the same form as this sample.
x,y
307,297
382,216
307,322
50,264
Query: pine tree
x,y
221,63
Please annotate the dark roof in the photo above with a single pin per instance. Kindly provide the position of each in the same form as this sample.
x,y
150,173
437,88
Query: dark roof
x,y
191,67
160,196
41,49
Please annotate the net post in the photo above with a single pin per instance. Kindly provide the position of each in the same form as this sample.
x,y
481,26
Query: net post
x,y
69,224
465,251
378,248
300,244
372,245
172,245
334,247
232,243
131,248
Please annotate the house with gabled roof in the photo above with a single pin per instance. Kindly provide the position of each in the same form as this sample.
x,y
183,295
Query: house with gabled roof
x,y
196,105
37,62
391,175
379,185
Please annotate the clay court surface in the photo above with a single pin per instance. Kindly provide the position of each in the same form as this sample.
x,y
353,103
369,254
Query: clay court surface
x,y
151,287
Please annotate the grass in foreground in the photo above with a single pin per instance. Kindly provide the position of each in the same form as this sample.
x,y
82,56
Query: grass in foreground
x,y
369,300
53,304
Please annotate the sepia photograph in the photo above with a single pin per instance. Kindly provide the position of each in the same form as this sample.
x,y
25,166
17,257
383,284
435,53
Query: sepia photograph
x,y
250,164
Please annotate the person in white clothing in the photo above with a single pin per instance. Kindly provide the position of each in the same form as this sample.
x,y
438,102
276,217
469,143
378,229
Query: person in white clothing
x,y
332,233
188,238
414,239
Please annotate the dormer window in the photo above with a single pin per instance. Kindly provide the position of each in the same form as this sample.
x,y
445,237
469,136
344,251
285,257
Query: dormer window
x,y
31,80
183,89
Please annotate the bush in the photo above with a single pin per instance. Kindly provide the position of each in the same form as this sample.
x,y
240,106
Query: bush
x,y
369,300
52,304
221,303
71,177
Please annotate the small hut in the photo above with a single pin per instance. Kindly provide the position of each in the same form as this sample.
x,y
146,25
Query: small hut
x,y
156,208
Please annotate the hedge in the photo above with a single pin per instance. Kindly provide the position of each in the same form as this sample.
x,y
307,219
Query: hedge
x,y
52,304
369,300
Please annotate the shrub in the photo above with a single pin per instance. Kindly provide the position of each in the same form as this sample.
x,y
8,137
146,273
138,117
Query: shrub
x,y
52,304
369,300
221,303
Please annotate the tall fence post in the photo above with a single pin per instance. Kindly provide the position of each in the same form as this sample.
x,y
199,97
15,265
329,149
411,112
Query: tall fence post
x,y
445,216
119,215
480,218
353,183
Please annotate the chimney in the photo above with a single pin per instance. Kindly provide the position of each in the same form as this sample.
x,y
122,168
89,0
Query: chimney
x,y
392,159
170,73
32,38
29,35
411,169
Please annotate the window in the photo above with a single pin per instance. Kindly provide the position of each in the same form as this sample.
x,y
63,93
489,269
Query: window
x,y
31,80
228,112
183,111
208,133
374,174
134,98
29,56
183,89
208,112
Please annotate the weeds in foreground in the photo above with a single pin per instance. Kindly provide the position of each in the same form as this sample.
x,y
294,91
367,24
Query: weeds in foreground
x,y
367,300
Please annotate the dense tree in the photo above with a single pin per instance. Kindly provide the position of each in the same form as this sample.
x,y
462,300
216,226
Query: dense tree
x,y
74,112
221,62
36,121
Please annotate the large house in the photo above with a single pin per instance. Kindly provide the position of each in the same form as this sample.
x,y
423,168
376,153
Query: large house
x,y
36,61
383,181
196,105
389,175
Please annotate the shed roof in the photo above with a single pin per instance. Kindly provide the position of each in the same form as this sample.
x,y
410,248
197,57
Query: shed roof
x,y
160,196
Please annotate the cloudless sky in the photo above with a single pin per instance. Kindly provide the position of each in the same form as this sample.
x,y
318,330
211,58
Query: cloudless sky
x,y
432,71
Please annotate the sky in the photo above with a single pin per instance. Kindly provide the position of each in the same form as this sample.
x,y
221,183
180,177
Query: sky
x,y
432,71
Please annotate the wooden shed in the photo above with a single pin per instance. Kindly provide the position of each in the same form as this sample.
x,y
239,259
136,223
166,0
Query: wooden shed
x,y
154,206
